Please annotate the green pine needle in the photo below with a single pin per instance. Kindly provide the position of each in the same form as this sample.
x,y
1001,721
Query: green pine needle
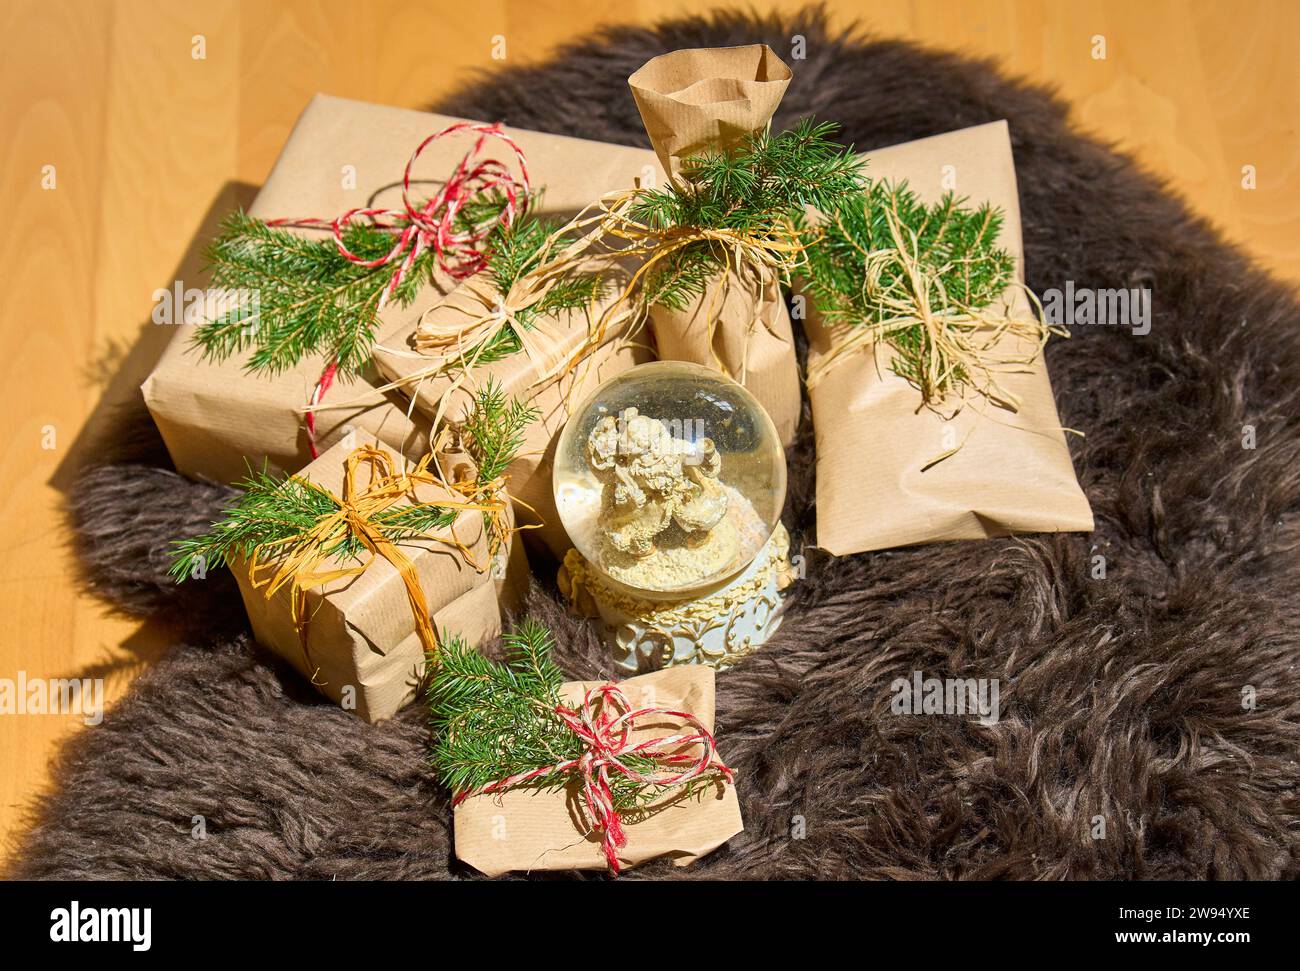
x,y
309,299
312,301
495,428
956,242
491,720
272,514
517,250
766,182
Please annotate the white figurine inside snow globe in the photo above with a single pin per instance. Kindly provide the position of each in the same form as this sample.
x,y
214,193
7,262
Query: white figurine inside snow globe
x,y
669,480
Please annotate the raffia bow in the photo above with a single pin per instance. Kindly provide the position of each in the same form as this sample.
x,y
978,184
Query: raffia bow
x,y
604,722
962,345
459,330
456,333
758,258
303,562
473,315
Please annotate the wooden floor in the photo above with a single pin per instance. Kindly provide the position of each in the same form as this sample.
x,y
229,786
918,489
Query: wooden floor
x,y
147,145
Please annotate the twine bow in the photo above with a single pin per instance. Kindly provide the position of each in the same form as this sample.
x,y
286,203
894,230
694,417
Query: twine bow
x,y
455,333
599,238
460,328
759,257
604,723
303,561
429,225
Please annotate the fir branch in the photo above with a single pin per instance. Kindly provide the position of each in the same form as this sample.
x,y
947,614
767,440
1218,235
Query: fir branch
x,y
311,300
955,244
765,179
759,188
517,250
682,277
270,512
492,720
308,298
495,428
273,514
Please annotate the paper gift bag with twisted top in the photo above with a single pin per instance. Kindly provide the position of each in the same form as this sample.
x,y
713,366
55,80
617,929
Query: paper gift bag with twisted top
x,y
696,102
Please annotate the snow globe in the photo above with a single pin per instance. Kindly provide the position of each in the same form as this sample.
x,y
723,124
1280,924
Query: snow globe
x,y
669,480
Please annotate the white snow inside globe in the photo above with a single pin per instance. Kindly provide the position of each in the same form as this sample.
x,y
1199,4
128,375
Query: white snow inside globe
x,y
669,479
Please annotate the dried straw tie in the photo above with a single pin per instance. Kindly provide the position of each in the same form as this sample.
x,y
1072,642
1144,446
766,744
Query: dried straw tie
x,y
458,330
461,327
963,344
759,258
466,322
304,564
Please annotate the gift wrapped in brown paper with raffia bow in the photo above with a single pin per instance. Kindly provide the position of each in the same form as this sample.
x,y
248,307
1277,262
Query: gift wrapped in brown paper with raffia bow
x,y
429,353
1000,471
527,828
710,100
216,418
360,622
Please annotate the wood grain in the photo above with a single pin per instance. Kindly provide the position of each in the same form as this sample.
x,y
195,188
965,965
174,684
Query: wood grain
x,y
150,145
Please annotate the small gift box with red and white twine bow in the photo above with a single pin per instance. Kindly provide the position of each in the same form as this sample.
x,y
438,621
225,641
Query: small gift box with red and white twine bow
x,y
527,829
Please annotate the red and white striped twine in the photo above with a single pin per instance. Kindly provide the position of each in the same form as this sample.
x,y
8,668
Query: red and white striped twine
x,y
604,723
430,225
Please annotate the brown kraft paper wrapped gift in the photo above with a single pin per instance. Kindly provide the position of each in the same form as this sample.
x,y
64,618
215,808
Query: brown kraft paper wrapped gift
x,y
361,645
1012,473
695,101
216,418
530,473
533,829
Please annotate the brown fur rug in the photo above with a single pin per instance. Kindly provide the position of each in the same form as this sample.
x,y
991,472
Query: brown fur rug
x,y
1121,698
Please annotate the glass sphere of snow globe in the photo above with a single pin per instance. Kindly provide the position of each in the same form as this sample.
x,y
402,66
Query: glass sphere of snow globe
x,y
669,479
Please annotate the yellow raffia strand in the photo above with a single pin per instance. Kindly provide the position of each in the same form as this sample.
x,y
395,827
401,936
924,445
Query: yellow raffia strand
x,y
608,235
962,341
463,342
300,562
762,257
600,237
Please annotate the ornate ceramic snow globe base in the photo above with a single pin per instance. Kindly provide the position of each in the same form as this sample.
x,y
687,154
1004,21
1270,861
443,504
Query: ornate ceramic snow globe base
x,y
670,480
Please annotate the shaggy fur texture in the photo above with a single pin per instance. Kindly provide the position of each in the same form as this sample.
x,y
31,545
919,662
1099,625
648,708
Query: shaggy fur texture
x,y
1121,698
